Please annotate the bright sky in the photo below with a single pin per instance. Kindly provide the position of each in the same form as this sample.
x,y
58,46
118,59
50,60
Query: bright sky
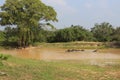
x,y
84,12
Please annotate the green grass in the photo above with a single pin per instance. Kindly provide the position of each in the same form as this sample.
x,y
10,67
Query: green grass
x,y
28,69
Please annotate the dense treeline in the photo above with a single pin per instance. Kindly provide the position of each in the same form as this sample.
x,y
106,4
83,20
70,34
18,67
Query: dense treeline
x,y
103,32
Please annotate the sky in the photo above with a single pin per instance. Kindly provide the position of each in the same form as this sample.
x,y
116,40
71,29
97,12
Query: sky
x,y
84,12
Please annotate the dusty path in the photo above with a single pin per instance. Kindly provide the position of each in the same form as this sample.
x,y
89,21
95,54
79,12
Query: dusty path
x,y
60,54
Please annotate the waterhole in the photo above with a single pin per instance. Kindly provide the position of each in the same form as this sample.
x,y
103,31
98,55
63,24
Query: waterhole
x,y
61,54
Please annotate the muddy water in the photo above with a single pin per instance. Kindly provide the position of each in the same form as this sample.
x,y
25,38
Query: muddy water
x,y
32,53
61,54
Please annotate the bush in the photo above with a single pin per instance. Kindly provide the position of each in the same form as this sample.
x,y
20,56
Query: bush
x,y
3,57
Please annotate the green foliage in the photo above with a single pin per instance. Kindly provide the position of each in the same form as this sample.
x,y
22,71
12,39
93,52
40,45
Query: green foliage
x,y
64,35
116,34
26,15
3,57
73,33
102,32
2,36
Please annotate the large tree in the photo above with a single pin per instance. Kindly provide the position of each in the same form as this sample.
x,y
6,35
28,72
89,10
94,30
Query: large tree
x,y
26,15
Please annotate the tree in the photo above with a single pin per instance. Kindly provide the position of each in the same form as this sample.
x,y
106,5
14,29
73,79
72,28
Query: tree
x,y
116,34
81,34
102,32
2,36
11,36
64,35
73,33
26,15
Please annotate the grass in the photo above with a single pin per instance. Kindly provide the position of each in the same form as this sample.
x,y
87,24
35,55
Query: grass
x,y
28,69
75,45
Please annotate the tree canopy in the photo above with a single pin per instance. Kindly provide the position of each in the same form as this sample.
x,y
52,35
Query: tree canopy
x,y
73,33
26,15
103,32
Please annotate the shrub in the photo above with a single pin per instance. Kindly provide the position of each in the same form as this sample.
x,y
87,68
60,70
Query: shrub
x,y
3,57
